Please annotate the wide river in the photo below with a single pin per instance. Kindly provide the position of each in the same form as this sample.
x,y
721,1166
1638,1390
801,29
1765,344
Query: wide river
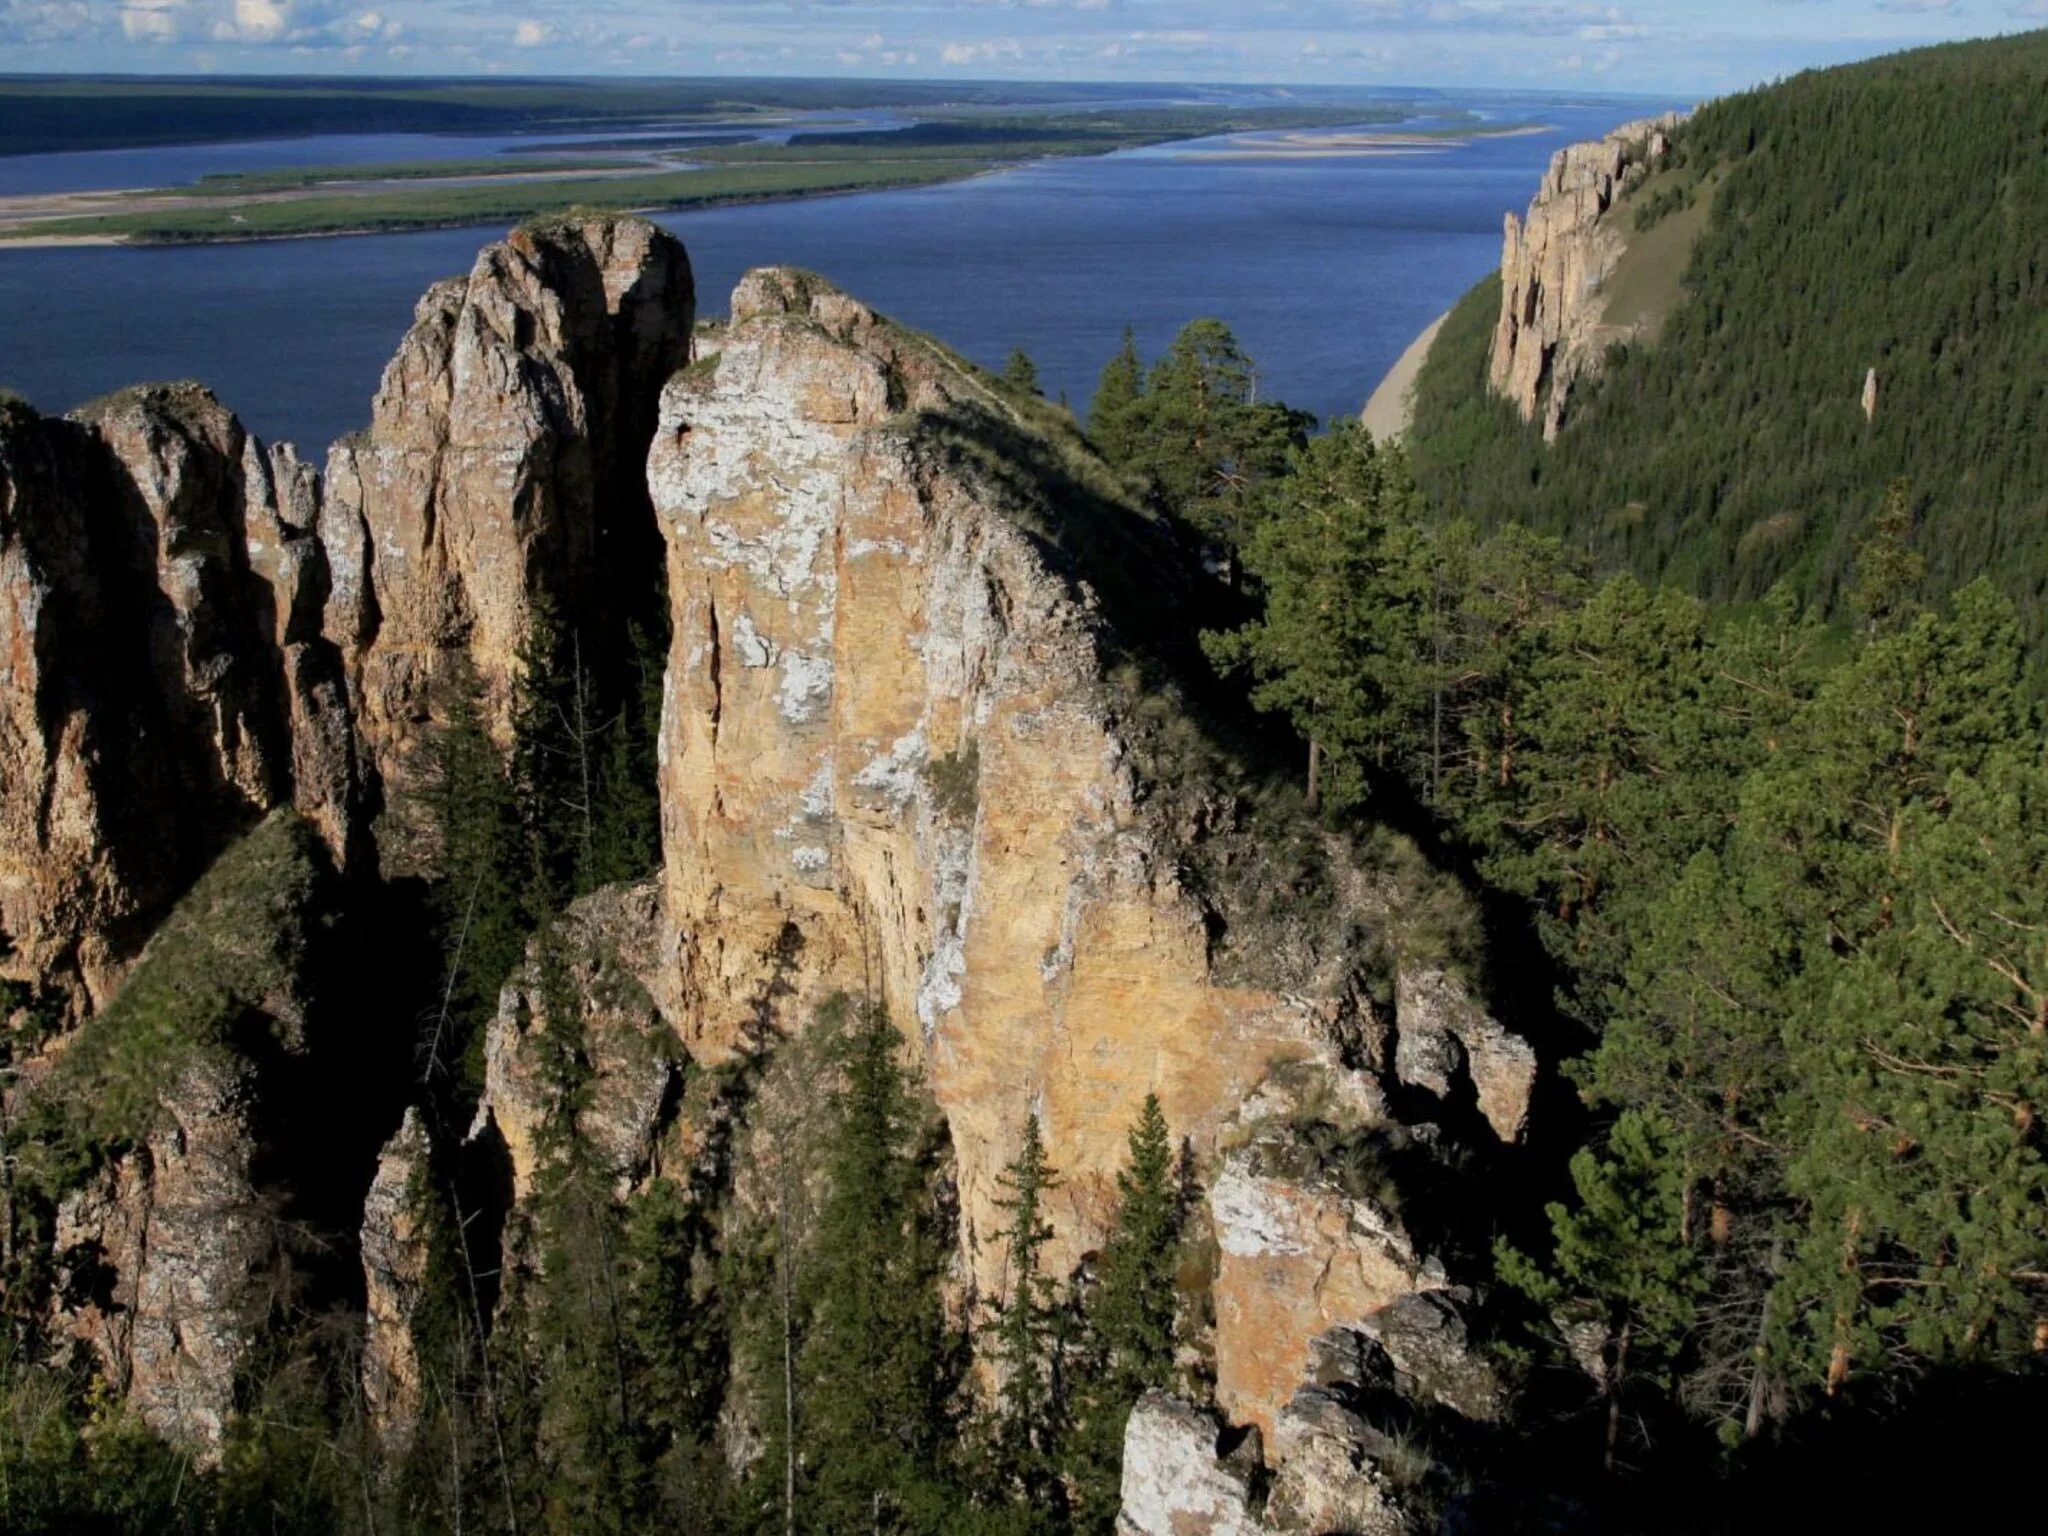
x,y
1326,265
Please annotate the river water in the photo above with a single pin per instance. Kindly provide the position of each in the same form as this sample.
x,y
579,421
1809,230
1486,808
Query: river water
x,y
1325,265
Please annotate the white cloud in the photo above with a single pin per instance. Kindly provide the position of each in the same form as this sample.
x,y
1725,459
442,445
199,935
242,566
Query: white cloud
x,y
531,34
255,21
152,21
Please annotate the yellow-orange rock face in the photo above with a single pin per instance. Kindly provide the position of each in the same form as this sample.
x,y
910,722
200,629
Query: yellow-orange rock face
x,y
1296,1258
889,764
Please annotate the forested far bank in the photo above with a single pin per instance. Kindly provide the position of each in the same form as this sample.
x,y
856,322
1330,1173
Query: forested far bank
x,y
1880,221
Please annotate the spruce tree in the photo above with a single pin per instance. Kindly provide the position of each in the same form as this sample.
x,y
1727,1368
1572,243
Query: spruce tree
x,y
1113,422
873,1375
1129,1341
1020,373
1026,1336
477,896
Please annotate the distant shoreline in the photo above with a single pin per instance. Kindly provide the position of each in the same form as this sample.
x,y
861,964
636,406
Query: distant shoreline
x,y
453,195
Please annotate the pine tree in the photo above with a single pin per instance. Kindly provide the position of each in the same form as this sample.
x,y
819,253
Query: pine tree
x,y
1203,443
1020,373
1889,571
1340,647
1621,1245
1119,397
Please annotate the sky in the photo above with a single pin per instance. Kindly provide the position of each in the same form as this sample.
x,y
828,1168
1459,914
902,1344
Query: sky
x,y
1694,46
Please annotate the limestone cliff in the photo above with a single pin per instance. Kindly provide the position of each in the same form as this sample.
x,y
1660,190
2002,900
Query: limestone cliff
x,y
164,681
196,629
930,733
889,723
1552,327
501,468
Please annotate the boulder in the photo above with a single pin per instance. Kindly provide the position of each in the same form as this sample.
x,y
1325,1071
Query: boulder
x,y
1174,1481
1443,1034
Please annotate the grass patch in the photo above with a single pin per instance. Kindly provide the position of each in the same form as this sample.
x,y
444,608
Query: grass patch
x,y
955,782
246,183
1649,279
226,962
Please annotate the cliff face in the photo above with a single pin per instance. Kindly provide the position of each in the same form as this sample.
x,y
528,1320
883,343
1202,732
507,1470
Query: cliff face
x,y
1552,311
501,469
905,752
166,681
888,723
198,630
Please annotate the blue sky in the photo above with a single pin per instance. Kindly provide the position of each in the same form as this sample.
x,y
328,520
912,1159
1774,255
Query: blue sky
x,y
1694,46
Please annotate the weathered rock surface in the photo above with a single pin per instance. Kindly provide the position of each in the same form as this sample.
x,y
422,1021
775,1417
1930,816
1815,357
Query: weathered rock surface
x,y
1442,1034
502,467
1174,1482
167,1260
194,630
894,762
163,677
1551,330
597,955
395,1253
1331,1478
1341,1455
1419,1349
888,727
1298,1257
175,1257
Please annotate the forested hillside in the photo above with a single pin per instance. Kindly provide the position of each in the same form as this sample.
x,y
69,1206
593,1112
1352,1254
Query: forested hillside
x,y
1889,216
1779,878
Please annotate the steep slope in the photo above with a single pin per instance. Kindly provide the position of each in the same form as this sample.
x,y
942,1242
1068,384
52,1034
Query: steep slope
x,y
1745,444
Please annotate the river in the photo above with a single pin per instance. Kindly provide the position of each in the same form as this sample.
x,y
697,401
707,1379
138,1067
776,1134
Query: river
x,y
1325,264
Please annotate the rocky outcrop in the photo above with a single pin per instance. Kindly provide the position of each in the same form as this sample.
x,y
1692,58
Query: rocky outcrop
x,y
900,757
168,1260
501,469
889,730
1298,1256
395,1252
173,1255
1333,1475
583,980
1346,1453
1174,1481
1551,330
164,681
196,630
1443,1036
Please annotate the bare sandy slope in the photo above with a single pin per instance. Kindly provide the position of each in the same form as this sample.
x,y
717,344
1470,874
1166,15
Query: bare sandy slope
x,y
1392,405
